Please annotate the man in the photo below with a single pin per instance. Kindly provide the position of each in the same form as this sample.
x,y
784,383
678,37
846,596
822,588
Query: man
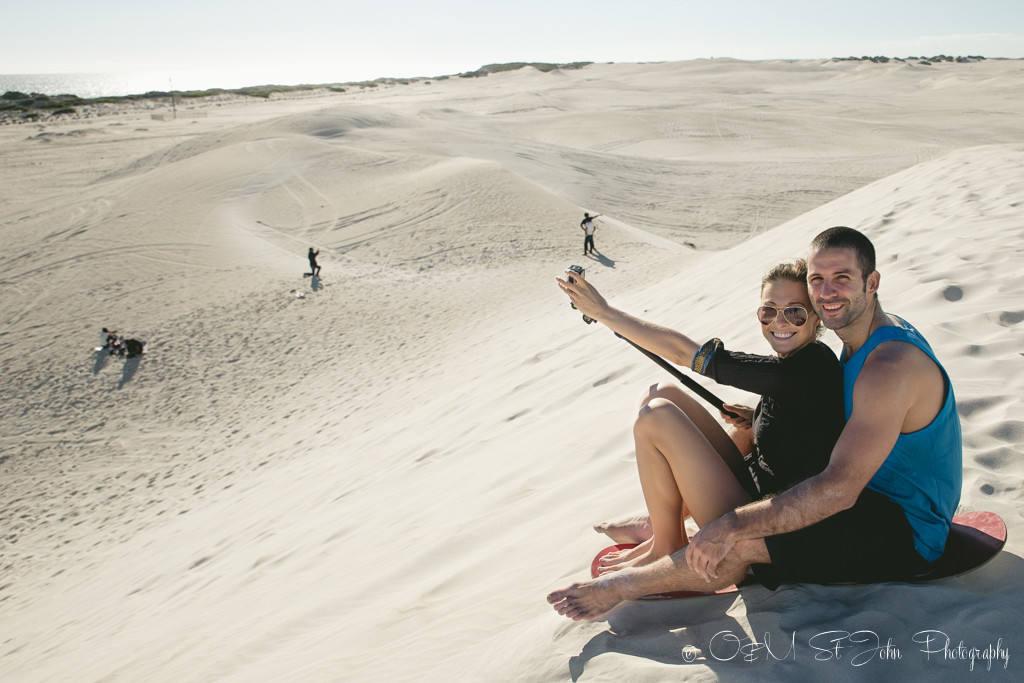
x,y
314,269
882,508
588,227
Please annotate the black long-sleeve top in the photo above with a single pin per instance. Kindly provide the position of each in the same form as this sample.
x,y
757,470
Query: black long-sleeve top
x,y
800,414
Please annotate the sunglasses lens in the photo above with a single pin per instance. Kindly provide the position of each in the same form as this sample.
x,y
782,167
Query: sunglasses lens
x,y
767,314
795,315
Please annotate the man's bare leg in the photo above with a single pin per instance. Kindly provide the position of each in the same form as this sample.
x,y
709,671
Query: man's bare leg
x,y
595,598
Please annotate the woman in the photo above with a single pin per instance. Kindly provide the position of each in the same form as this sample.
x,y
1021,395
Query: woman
x,y
688,464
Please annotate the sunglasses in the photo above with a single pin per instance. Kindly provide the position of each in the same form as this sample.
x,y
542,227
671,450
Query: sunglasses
x,y
796,315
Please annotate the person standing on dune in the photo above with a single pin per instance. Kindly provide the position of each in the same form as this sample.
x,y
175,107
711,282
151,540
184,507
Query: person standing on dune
x,y
588,227
314,269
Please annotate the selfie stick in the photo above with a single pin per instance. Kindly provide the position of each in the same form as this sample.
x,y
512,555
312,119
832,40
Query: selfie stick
x,y
677,373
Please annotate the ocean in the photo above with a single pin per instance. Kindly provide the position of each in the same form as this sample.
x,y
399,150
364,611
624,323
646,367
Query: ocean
x,y
138,83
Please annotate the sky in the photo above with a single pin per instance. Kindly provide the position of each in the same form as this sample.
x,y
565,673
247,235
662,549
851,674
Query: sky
x,y
317,41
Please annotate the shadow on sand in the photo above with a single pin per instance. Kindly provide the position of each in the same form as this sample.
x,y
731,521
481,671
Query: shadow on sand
x,y
131,366
601,259
703,632
102,356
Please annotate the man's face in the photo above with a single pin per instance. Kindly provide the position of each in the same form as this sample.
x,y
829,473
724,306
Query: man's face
x,y
839,291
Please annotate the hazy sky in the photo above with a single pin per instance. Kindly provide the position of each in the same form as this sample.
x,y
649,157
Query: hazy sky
x,y
344,40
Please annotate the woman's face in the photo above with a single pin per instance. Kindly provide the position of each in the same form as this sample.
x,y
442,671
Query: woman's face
x,y
784,336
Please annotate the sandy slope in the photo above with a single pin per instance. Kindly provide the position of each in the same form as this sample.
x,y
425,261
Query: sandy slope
x,y
380,479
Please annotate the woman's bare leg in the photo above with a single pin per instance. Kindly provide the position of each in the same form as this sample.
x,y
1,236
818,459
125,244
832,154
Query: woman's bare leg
x,y
636,528
620,556
708,424
683,454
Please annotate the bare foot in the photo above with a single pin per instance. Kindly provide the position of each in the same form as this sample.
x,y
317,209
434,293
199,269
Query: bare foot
x,y
650,551
619,556
589,600
632,529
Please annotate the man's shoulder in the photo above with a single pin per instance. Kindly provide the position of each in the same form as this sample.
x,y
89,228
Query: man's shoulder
x,y
897,360
894,353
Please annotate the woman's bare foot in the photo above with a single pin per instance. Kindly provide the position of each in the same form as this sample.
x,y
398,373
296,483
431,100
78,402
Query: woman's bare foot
x,y
650,551
632,529
619,556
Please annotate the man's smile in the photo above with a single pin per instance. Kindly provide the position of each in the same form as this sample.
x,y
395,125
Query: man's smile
x,y
830,307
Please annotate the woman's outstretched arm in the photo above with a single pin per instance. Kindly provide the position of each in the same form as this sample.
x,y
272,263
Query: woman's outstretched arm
x,y
667,343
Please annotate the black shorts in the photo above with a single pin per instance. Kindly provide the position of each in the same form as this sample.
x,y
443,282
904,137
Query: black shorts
x,y
867,543
755,479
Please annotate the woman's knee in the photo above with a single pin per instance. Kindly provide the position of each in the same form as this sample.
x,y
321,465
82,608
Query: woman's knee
x,y
665,390
658,414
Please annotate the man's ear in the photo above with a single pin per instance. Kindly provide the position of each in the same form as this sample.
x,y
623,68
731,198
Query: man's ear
x,y
873,281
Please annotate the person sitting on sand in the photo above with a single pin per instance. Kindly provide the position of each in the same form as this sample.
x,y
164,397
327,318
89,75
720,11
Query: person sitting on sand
x,y
107,337
882,508
115,345
688,464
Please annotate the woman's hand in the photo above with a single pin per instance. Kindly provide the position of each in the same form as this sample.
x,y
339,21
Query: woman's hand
x,y
744,419
673,346
587,300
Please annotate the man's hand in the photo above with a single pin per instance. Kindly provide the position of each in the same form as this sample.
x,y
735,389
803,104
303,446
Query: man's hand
x,y
708,547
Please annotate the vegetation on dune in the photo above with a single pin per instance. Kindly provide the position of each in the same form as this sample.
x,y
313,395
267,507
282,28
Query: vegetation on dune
x,y
489,69
920,60
21,107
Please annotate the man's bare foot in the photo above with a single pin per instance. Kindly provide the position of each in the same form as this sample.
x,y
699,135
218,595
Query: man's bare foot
x,y
619,556
632,529
589,600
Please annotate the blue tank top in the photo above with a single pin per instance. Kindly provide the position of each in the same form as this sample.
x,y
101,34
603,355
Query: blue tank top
x,y
923,472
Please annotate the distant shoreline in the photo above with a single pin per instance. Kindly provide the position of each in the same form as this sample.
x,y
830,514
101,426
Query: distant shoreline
x,y
20,107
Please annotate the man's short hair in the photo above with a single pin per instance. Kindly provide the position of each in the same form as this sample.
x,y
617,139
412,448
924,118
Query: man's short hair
x,y
841,237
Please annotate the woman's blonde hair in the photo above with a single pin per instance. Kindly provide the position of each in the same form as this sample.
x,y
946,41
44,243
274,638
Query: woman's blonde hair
x,y
795,271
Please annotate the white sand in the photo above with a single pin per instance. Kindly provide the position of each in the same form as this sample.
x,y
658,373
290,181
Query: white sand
x,y
382,479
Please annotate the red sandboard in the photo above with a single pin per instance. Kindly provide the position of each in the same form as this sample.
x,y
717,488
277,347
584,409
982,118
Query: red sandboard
x,y
974,539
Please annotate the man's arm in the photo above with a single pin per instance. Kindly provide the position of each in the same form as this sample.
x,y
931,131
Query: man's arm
x,y
886,389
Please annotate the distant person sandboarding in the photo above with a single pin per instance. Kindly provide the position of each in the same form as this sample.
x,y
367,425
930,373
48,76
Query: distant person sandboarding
x,y
588,227
314,269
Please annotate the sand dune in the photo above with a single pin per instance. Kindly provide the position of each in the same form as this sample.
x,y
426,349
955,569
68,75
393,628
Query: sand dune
x,y
380,474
